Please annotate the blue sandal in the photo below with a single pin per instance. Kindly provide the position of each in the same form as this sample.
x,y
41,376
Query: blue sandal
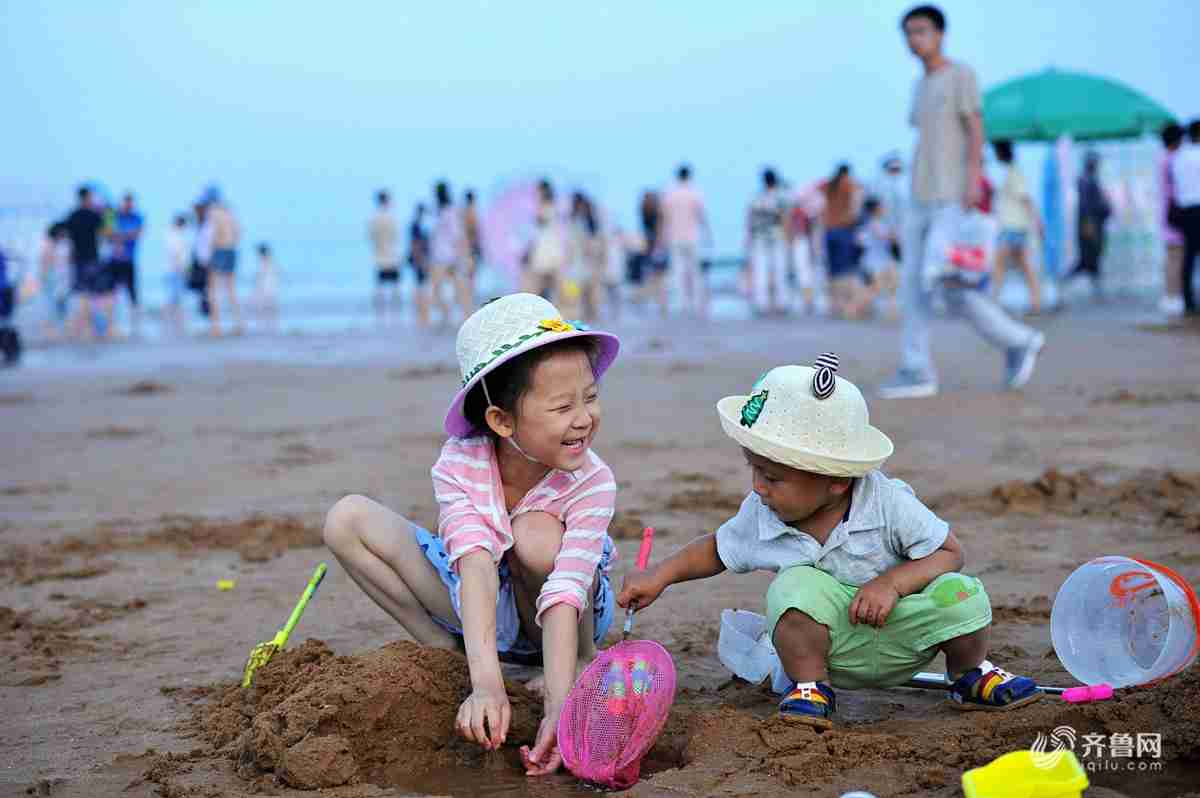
x,y
812,703
992,689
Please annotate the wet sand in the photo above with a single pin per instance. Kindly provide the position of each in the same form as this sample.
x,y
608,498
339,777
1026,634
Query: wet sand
x,y
133,482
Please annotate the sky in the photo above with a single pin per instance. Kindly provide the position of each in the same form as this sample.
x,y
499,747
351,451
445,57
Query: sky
x,y
301,110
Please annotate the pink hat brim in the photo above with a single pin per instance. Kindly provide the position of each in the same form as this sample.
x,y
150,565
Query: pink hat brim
x,y
457,425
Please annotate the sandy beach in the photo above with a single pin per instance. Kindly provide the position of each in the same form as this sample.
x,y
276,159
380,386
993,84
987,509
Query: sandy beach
x,y
134,479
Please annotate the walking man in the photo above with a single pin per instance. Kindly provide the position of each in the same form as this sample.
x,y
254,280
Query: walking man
x,y
222,269
946,172
684,221
127,229
384,236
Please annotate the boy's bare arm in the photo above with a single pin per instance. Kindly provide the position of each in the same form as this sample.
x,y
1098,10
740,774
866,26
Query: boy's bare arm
x,y
912,576
875,600
697,560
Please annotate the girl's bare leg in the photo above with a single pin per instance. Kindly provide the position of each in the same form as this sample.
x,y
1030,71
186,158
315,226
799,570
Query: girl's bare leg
x,y
464,284
379,549
437,278
998,270
537,539
1031,278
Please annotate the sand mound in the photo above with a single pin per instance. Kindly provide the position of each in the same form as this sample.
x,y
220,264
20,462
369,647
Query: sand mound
x,y
319,720
1168,499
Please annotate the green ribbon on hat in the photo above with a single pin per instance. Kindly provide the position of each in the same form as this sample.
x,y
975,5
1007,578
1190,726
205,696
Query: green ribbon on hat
x,y
544,326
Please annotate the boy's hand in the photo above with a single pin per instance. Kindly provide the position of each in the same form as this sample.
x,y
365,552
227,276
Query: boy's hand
x,y
639,589
484,704
874,602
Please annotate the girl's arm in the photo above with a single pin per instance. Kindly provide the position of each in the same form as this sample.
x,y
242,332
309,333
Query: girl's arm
x,y
488,701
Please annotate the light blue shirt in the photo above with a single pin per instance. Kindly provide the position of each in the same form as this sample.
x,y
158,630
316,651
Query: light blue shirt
x,y
887,525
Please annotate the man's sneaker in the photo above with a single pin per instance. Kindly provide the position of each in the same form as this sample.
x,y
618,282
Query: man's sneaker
x,y
811,703
1171,306
992,689
1019,362
908,384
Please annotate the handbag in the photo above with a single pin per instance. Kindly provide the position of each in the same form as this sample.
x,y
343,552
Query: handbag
x,y
197,277
970,255
1174,214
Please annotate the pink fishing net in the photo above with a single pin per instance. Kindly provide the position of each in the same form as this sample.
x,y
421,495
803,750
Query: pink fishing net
x,y
616,712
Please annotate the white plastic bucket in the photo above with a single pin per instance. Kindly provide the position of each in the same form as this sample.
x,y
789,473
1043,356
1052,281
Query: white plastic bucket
x,y
746,650
1125,622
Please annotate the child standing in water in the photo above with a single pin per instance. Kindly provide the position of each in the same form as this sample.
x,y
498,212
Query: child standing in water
x,y
266,287
868,590
518,568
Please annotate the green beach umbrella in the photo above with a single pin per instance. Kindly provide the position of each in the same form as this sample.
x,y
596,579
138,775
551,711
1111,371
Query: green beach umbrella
x,y
1051,103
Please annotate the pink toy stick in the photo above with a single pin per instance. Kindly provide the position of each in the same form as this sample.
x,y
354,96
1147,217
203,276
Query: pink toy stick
x,y
644,551
1088,693
642,559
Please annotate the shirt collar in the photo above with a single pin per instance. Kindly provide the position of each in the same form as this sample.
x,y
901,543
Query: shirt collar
x,y
865,514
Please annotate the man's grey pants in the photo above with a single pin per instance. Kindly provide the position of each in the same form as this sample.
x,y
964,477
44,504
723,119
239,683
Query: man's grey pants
x,y
929,232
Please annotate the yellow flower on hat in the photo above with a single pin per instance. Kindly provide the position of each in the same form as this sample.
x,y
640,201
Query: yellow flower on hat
x,y
555,325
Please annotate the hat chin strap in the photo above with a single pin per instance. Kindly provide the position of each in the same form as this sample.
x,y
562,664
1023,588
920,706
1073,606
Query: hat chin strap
x,y
512,439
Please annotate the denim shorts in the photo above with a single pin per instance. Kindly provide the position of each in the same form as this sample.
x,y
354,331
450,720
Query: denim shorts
x,y
1013,239
511,642
224,261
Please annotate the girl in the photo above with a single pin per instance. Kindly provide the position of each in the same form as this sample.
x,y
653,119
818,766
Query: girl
x,y
266,287
587,246
517,570
878,265
766,249
176,276
548,250
448,253
54,263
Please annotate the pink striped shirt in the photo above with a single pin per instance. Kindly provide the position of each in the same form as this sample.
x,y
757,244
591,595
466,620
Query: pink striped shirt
x,y
466,483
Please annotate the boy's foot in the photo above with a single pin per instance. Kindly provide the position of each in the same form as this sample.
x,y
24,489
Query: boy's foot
x,y
811,703
992,689
908,384
1019,362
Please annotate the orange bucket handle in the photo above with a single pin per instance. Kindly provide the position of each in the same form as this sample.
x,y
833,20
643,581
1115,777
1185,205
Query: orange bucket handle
x,y
1193,603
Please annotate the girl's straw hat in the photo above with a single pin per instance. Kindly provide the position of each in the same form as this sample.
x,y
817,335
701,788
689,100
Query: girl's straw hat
x,y
505,328
808,418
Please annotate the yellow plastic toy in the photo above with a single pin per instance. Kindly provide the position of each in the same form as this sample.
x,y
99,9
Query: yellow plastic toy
x,y
1027,774
261,654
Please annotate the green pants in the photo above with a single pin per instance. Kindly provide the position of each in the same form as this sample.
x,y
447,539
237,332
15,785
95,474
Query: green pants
x,y
860,655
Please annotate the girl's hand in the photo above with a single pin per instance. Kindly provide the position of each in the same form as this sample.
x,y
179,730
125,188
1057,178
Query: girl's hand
x,y
544,759
873,603
485,705
639,589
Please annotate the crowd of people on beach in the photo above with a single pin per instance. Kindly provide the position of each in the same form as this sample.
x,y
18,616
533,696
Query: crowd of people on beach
x,y
88,261
839,247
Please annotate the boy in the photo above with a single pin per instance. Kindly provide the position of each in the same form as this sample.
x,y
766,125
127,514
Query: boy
x,y
868,591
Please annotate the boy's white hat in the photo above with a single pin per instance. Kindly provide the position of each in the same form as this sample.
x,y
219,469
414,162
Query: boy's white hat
x,y
505,328
808,418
